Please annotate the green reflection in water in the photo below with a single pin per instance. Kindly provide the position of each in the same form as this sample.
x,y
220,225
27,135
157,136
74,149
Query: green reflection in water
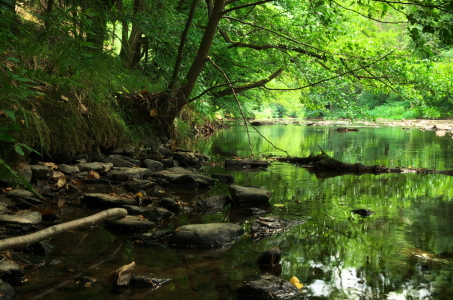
x,y
340,255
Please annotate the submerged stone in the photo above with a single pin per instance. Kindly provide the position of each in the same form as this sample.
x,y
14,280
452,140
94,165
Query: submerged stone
x,y
244,195
129,224
206,236
267,286
124,174
6,291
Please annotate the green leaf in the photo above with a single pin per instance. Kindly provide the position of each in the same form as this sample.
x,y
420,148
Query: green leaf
x,y
28,148
19,150
15,59
10,114
6,137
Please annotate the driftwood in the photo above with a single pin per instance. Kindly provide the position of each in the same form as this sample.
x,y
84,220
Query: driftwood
x,y
326,166
29,239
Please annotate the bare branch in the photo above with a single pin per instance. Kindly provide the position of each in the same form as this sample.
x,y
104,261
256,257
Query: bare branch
x,y
354,11
279,46
276,33
245,5
439,7
327,79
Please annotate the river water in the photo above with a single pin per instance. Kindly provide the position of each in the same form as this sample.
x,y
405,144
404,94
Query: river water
x,y
402,251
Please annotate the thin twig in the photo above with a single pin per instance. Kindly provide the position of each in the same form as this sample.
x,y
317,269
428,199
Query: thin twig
x,y
242,112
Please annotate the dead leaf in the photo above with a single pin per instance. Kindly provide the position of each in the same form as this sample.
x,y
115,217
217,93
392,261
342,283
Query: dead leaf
x,y
124,274
61,182
83,108
51,165
93,174
153,112
295,281
64,99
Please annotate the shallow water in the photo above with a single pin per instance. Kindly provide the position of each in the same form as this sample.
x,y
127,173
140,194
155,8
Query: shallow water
x,y
403,251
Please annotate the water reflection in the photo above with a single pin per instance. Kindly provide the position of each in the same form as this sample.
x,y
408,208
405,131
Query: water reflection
x,y
403,251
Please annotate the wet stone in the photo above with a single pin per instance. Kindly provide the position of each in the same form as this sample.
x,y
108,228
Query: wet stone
x,y
26,218
153,165
25,171
135,185
206,236
118,162
124,174
105,200
40,171
21,193
266,286
68,169
6,290
212,204
224,178
94,166
242,195
264,227
270,257
9,269
129,224
158,214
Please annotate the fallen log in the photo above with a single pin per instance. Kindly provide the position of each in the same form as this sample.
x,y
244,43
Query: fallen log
x,y
323,164
29,239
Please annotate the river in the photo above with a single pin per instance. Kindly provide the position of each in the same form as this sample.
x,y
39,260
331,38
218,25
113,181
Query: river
x,y
402,251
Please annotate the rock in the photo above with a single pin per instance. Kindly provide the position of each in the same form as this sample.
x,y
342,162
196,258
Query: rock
x,y
158,214
25,218
190,159
153,165
68,169
442,127
135,185
106,201
94,166
270,257
199,180
212,204
124,174
129,224
25,171
152,239
242,195
174,205
118,162
6,291
206,236
264,227
266,286
134,210
20,193
169,163
175,170
40,171
363,212
245,164
225,178
10,270
254,211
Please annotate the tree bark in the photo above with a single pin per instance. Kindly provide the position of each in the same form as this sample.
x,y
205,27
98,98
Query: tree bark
x,y
29,239
248,86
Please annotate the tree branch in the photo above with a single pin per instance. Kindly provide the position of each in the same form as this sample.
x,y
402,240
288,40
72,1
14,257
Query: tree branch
x,y
327,79
276,33
29,239
182,43
354,11
248,86
245,5
279,46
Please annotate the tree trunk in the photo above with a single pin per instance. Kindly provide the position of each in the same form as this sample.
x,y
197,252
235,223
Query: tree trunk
x,y
132,45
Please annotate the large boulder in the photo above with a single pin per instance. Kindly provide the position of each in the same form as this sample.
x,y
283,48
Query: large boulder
x,y
245,195
206,236
267,286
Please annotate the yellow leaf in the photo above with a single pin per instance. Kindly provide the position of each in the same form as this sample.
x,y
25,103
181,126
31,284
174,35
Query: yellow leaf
x,y
153,112
295,281
279,205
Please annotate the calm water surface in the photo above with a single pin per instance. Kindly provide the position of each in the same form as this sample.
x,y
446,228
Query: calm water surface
x,y
403,251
